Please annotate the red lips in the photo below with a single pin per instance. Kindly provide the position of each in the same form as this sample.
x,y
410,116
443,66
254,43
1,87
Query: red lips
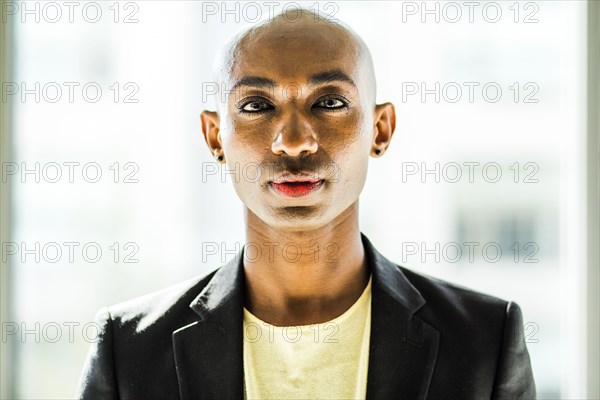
x,y
297,188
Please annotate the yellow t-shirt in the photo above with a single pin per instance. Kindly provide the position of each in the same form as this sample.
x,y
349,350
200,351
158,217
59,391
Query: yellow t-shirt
x,y
320,361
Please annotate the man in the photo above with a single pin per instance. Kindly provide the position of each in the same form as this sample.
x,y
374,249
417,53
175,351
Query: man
x,y
309,308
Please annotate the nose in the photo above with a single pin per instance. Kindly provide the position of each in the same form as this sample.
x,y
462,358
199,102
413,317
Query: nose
x,y
294,137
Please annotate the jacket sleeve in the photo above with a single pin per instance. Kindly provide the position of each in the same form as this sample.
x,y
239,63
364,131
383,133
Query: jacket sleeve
x,y
514,376
98,379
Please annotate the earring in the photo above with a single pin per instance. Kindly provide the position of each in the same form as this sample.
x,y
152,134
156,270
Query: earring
x,y
219,158
378,151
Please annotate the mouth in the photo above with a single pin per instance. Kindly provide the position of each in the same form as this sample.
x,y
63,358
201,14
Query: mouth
x,y
296,187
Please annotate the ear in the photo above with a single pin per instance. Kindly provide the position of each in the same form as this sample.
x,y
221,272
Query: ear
x,y
210,129
383,128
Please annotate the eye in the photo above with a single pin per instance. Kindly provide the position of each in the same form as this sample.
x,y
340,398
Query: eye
x,y
253,106
332,103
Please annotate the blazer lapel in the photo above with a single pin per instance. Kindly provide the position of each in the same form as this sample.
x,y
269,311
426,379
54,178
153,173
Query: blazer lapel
x,y
209,352
403,348
402,353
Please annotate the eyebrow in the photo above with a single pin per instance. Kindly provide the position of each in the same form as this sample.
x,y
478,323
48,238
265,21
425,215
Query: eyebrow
x,y
256,81
330,76
316,79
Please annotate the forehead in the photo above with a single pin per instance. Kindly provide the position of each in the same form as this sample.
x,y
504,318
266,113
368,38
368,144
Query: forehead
x,y
287,52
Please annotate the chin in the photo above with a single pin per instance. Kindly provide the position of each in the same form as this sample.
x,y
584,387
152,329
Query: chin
x,y
298,219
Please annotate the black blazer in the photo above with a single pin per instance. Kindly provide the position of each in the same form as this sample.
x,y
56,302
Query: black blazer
x,y
430,339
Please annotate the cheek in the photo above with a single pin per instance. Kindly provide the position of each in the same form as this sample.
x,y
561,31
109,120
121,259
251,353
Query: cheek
x,y
347,142
251,139
240,141
345,137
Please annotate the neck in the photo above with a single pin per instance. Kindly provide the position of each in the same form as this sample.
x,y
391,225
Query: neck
x,y
304,277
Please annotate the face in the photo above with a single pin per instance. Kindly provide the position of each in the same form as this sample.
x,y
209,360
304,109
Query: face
x,y
298,124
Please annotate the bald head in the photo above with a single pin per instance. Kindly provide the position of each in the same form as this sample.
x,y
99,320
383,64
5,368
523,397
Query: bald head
x,y
289,41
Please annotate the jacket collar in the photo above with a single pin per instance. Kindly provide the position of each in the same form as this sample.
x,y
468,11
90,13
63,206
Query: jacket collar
x,y
402,352
228,283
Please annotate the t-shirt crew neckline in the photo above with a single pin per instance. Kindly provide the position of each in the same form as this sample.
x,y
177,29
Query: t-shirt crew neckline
x,y
337,320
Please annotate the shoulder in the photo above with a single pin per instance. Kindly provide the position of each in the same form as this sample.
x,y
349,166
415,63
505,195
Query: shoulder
x,y
437,289
448,303
164,307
